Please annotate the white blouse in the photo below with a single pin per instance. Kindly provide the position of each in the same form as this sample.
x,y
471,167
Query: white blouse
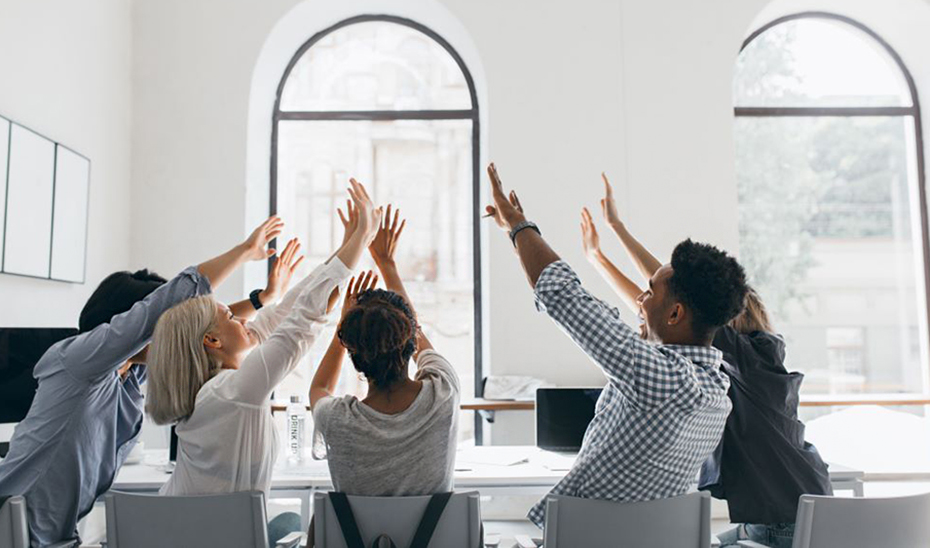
x,y
229,443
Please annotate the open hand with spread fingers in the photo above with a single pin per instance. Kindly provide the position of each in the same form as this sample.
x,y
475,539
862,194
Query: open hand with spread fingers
x,y
358,285
281,272
385,243
349,220
256,244
369,217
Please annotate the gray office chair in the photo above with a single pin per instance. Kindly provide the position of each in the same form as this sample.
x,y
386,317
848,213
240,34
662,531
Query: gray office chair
x,y
398,517
679,522
832,522
14,532
152,521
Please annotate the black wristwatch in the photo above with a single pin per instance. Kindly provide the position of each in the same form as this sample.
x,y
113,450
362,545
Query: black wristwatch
x,y
253,297
522,225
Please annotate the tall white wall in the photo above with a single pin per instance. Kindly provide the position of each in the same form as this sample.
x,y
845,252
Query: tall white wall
x,y
64,72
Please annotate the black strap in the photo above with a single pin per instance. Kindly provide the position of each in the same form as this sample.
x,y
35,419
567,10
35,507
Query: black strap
x,y
346,519
437,503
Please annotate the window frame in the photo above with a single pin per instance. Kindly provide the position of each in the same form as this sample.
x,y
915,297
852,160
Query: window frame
x,y
923,397
471,114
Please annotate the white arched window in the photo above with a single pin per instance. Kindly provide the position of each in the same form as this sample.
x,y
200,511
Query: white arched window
x,y
832,221
389,102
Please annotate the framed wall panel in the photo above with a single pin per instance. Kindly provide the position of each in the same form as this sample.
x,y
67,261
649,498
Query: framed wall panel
x,y
69,218
4,155
30,190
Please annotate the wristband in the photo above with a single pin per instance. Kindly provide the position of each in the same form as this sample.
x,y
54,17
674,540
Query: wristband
x,y
522,225
256,302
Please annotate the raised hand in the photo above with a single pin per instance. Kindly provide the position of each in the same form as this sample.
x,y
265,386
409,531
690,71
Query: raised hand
x,y
385,243
506,210
349,221
256,244
357,286
608,205
590,240
369,217
280,275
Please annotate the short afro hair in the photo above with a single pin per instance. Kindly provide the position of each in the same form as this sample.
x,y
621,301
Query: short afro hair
x,y
116,294
380,334
710,283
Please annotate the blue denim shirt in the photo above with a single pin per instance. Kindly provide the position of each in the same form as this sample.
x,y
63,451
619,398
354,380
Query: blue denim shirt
x,y
84,419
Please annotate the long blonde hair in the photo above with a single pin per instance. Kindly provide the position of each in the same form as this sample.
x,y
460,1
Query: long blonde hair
x,y
178,364
753,317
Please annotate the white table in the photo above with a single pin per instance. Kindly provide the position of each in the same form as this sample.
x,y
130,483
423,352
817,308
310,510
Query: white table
x,y
491,470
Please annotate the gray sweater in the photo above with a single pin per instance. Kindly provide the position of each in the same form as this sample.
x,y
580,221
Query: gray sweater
x,y
408,453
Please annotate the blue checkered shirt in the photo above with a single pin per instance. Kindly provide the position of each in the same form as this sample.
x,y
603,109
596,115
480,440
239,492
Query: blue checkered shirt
x,y
660,415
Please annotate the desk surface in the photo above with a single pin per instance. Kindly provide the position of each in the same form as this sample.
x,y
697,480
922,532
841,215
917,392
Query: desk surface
x,y
476,467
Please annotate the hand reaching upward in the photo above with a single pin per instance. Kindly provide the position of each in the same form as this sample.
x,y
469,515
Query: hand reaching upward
x,y
385,243
257,242
507,211
608,205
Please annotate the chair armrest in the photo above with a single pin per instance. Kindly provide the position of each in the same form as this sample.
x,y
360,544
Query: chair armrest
x,y
292,540
750,544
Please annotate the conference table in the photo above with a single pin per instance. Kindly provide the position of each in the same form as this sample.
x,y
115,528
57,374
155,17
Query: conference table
x,y
491,470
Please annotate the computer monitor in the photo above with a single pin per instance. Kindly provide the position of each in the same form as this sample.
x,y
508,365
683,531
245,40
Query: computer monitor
x,y
562,416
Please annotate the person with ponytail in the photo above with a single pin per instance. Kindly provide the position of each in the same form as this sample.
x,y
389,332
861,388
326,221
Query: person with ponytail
x,y
400,439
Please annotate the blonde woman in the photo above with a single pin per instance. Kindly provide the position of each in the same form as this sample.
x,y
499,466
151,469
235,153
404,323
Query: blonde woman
x,y
213,374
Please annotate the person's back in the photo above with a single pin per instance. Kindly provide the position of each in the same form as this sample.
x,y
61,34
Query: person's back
x,y
407,453
763,464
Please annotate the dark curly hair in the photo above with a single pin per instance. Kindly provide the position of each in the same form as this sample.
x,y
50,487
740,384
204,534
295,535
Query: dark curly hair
x,y
116,294
710,283
380,334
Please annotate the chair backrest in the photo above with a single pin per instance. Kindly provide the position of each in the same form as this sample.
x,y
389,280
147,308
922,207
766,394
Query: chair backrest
x,y
679,522
398,517
14,532
148,521
832,522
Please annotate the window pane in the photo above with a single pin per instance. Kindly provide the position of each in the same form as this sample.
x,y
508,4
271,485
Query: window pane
x,y
829,233
817,63
376,66
425,169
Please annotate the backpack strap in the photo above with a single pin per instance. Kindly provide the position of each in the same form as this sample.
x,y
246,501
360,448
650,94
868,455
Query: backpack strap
x,y
346,519
437,503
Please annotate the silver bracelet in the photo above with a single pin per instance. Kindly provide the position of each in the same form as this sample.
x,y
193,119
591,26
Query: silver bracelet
x,y
521,226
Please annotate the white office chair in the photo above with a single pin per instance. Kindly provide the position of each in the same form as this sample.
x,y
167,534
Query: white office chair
x,y
398,518
148,521
831,522
679,522
14,532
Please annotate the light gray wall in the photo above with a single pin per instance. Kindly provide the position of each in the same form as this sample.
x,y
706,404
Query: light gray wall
x,y
64,72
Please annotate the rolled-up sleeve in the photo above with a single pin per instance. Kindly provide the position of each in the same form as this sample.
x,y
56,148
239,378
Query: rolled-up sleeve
x,y
106,347
637,368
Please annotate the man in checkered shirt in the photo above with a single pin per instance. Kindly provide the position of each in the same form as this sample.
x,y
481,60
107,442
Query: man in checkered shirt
x,y
665,404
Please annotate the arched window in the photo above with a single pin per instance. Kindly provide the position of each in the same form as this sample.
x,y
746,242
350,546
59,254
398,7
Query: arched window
x,y
389,102
832,217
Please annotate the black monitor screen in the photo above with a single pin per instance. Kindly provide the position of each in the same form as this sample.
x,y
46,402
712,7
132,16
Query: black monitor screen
x,y
562,416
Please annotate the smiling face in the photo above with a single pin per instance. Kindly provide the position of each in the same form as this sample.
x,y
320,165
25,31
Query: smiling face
x,y
230,339
657,309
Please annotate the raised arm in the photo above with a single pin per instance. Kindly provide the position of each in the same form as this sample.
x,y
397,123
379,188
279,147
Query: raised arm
x,y
645,262
327,374
625,287
382,250
105,348
279,277
535,254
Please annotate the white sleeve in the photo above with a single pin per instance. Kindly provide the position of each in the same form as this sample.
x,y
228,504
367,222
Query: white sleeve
x,y
279,354
269,317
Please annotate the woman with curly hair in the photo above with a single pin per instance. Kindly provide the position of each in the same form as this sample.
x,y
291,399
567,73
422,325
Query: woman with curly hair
x,y
400,439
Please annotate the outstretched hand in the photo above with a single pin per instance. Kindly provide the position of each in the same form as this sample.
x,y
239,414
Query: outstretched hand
x,y
369,217
357,286
608,205
506,210
349,220
280,275
590,240
385,243
257,242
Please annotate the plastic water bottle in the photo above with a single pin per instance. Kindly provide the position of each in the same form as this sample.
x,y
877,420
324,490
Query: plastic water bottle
x,y
296,419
